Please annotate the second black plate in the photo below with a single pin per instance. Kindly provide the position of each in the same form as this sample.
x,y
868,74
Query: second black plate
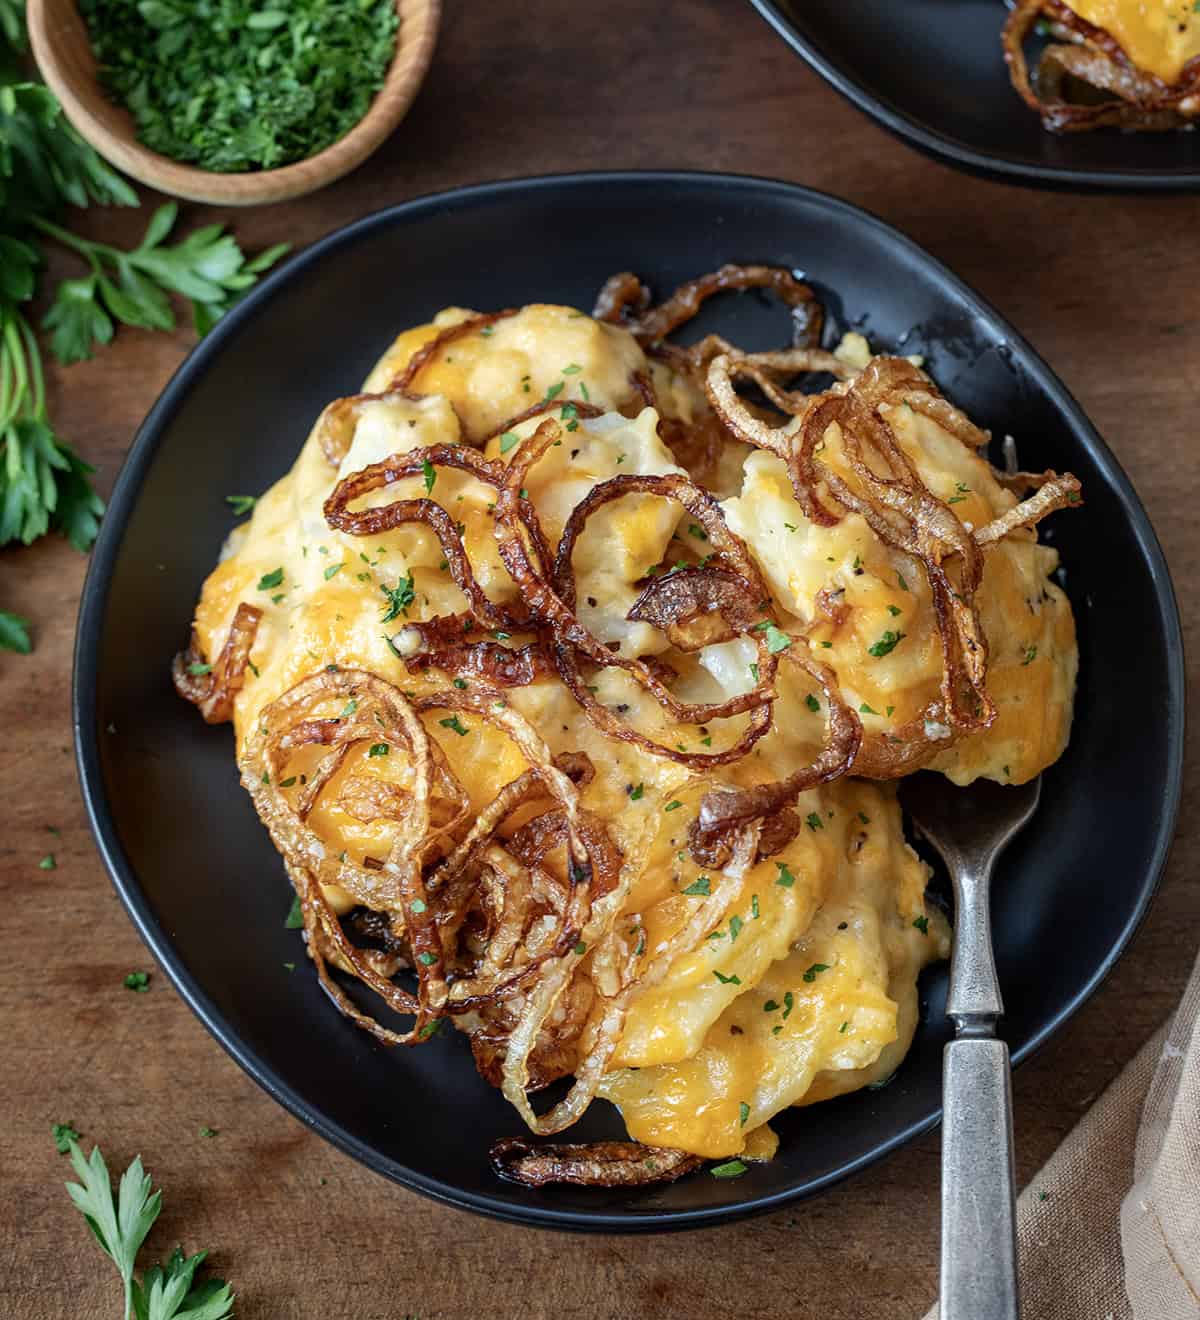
x,y
933,72
194,865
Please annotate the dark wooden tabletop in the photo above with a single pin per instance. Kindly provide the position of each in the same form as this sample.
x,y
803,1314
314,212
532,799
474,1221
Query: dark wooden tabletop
x,y
1108,290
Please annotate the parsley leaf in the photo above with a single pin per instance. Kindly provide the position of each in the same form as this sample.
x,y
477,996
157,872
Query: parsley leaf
x,y
886,644
14,633
399,598
701,885
730,1169
165,1292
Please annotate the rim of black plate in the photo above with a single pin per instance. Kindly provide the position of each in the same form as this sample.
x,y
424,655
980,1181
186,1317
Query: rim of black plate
x,y
94,602
948,150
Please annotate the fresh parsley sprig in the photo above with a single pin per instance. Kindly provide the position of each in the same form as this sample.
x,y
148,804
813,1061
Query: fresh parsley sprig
x,y
45,169
165,1292
207,267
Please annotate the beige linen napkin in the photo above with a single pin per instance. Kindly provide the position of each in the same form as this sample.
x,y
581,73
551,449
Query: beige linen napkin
x,y
1110,1227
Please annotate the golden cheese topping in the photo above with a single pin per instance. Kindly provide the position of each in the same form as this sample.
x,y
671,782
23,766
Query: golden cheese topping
x,y
1159,36
807,985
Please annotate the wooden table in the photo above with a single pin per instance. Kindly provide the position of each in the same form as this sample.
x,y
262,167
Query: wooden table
x,y
1108,289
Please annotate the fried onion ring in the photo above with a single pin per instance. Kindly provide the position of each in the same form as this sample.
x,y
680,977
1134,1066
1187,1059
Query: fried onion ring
x,y
213,688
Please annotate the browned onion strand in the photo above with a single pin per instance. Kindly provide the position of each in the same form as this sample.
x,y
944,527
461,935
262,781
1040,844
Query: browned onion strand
x,y
403,382
1093,56
387,517
596,1164
214,692
623,300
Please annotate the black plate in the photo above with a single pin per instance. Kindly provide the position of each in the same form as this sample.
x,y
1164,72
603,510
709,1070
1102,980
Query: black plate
x,y
933,72
194,866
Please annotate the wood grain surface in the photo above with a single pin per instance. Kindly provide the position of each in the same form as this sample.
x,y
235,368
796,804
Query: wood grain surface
x,y
1107,288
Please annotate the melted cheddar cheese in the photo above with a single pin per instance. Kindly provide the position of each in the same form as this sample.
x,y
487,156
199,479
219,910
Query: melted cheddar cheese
x,y
1159,36
808,986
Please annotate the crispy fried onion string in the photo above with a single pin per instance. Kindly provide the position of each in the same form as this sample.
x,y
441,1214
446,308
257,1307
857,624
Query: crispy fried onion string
x,y
885,489
1092,56
625,301
1054,492
599,1164
213,687
386,517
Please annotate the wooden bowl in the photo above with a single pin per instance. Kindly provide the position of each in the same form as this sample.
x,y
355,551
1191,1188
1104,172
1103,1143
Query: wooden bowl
x,y
64,54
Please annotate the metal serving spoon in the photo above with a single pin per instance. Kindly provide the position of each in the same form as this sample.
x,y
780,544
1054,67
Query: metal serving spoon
x,y
970,828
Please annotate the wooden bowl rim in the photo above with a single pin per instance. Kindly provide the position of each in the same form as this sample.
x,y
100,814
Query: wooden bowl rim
x,y
52,21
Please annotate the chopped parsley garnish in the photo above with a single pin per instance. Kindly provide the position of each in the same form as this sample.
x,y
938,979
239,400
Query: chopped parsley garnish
x,y
554,391
894,610
825,644
922,924
572,370
460,682
1030,656
864,709
790,526
743,1113
812,703
349,708
706,742
730,1169
289,782
501,636
960,493
378,749
814,822
701,885
208,1132
427,959
429,1029
777,639
789,1003
580,949
727,980
770,1006
418,905
866,820
900,579
332,569
694,529
241,503
399,598
138,982
429,474
842,1028
636,793
488,331
196,669
735,927
754,672
269,581
48,863
754,912
814,971
886,644
785,877
295,917
673,805
456,724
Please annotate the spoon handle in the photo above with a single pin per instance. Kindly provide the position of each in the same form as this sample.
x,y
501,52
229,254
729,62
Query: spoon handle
x,y
979,1249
